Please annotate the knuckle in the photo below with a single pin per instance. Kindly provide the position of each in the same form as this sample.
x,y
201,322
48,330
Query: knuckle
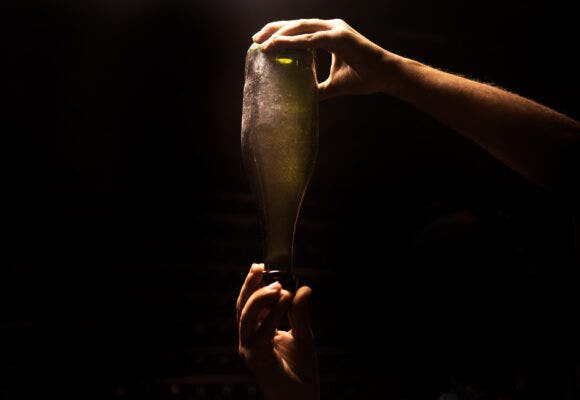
x,y
341,32
339,22
309,37
273,24
285,296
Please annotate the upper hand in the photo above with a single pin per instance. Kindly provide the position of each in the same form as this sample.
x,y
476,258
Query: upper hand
x,y
358,65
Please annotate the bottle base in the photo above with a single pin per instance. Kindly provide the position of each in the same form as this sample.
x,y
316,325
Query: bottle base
x,y
288,280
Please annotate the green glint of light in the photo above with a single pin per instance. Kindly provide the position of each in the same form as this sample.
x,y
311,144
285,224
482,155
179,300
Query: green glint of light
x,y
285,61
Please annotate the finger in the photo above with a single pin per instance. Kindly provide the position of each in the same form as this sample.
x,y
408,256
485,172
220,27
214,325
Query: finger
x,y
302,26
290,28
328,89
265,297
267,31
299,314
272,321
252,283
320,39
325,90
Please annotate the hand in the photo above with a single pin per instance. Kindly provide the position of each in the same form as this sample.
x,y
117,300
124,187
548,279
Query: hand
x,y
283,362
358,65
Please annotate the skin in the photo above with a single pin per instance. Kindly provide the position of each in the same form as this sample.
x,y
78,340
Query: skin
x,y
284,362
539,143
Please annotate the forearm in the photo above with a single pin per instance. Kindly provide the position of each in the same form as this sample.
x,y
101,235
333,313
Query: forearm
x,y
536,141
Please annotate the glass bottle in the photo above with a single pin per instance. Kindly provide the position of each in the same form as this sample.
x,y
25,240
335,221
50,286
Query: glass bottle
x,y
279,141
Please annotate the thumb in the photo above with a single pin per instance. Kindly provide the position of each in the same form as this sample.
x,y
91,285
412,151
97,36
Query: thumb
x,y
299,314
325,90
328,88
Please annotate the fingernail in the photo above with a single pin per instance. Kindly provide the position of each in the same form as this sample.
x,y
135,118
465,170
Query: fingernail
x,y
256,267
274,286
255,35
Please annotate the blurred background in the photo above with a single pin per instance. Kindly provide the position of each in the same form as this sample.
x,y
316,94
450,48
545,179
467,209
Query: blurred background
x,y
128,223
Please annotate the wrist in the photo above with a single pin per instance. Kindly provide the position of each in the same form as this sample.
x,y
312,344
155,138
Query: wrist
x,y
396,72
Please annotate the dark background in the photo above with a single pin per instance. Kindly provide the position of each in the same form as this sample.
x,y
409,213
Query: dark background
x,y
128,225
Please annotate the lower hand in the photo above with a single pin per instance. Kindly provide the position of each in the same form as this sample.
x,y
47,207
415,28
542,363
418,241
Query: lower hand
x,y
283,362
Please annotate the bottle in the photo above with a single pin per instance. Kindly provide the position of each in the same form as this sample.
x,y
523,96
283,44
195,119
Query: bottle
x,y
279,141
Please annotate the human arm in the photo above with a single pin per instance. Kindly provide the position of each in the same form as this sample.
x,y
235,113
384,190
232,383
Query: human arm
x,y
539,143
283,362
